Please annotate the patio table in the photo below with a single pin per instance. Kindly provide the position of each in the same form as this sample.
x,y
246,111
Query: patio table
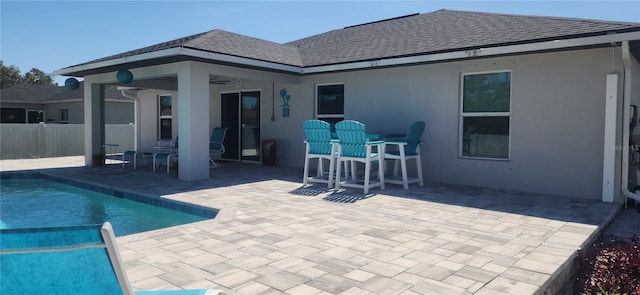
x,y
392,137
386,136
377,136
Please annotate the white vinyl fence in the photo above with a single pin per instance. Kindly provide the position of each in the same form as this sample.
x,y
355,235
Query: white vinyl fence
x,y
27,141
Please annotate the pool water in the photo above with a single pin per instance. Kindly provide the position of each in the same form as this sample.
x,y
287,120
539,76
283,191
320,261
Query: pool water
x,y
28,203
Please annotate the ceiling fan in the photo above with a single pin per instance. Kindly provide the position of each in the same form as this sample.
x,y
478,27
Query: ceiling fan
x,y
214,80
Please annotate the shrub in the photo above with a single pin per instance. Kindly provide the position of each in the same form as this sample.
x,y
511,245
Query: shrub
x,y
610,266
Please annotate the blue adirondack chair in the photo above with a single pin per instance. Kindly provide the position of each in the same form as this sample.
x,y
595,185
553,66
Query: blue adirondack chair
x,y
353,146
76,260
216,145
402,150
318,146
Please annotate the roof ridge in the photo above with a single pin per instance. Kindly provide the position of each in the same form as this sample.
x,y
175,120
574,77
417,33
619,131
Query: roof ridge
x,y
383,20
560,18
206,35
234,44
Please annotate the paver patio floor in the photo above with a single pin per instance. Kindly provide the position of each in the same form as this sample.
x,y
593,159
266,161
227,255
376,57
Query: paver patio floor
x,y
273,236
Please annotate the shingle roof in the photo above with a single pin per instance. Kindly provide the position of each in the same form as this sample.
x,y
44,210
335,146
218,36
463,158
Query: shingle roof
x,y
30,93
219,41
36,93
442,31
434,32
110,92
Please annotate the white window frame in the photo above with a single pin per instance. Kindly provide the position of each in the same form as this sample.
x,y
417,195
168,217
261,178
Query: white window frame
x,y
64,110
161,117
315,105
483,114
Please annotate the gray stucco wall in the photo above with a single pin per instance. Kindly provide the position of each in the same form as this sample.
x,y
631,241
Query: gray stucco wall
x,y
635,87
148,117
634,173
557,117
119,112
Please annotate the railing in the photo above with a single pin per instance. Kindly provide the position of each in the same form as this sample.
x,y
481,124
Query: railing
x,y
27,141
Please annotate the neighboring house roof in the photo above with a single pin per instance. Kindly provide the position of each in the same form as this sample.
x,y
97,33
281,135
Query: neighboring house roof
x,y
418,34
30,93
39,94
110,92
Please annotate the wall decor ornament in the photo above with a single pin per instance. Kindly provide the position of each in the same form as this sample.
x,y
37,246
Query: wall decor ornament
x,y
285,102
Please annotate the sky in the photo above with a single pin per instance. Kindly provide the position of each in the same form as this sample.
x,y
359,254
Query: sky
x,y
50,35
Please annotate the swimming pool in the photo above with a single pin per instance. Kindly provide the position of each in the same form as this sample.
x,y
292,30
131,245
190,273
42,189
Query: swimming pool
x,y
41,202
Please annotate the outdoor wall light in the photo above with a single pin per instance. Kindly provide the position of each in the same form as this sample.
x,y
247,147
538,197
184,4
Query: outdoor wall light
x,y
124,76
71,83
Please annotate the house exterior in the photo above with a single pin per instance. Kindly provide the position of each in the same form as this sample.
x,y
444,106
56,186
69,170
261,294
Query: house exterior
x,y
34,103
526,103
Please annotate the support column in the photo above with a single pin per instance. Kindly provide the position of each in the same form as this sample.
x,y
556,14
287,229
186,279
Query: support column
x,y
93,123
193,122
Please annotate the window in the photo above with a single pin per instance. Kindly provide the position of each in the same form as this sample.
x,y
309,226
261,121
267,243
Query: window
x,y
35,116
485,115
330,103
64,116
164,117
13,115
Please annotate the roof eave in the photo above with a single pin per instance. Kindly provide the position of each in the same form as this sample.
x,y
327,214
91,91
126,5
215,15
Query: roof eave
x,y
66,100
173,52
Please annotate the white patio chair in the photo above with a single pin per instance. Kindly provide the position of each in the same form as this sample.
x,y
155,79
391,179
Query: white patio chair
x,y
353,146
216,145
318,146
408,149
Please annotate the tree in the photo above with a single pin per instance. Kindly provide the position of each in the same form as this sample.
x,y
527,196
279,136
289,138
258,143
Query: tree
x,y
11,76
36,76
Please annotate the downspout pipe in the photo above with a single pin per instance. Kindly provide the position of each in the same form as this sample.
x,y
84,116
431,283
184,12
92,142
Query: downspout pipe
x,y
626,61
136,117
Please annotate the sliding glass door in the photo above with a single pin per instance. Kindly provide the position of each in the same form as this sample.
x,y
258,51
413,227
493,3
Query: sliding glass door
x,y
241,114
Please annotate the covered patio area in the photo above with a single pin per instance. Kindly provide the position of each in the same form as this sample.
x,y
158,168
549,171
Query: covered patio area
x,y
183,101
273,236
